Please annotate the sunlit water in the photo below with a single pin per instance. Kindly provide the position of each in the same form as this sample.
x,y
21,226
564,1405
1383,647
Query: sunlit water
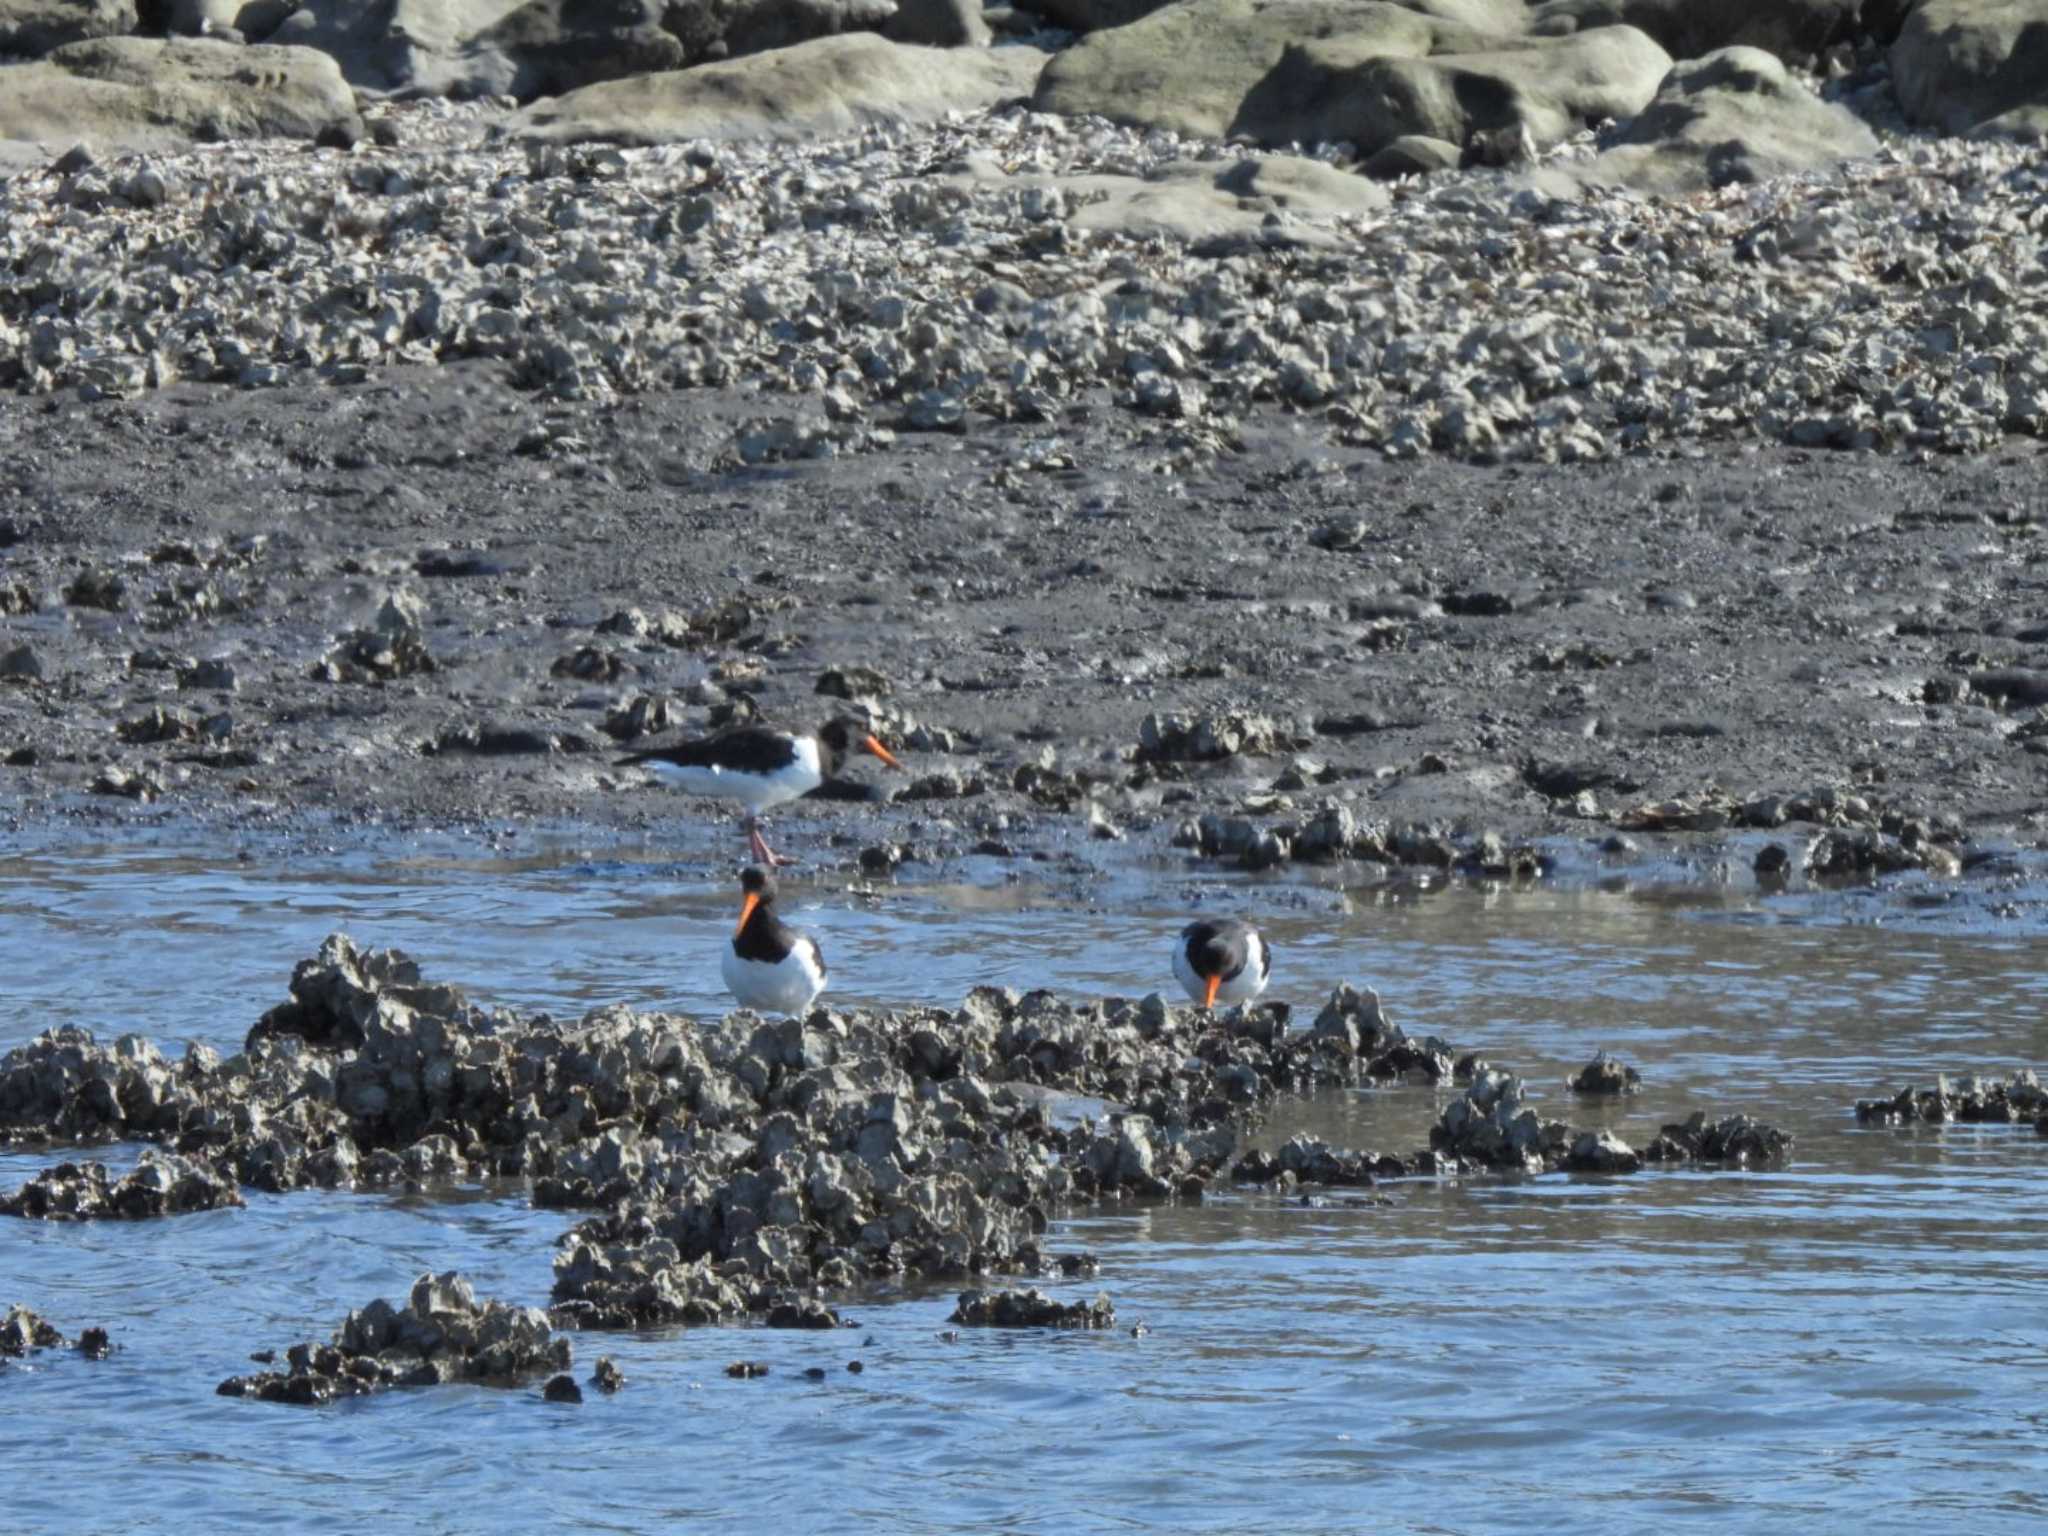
x,y
1858,1338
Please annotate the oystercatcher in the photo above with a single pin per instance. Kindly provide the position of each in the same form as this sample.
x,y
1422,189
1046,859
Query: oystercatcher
x,y
1221,962
766,966
759,767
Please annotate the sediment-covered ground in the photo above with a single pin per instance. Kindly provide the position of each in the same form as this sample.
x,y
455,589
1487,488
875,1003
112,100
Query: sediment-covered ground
x,y
437,596
1135,479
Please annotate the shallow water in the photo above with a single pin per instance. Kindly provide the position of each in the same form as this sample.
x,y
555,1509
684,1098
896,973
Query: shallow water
x,y
1860,1336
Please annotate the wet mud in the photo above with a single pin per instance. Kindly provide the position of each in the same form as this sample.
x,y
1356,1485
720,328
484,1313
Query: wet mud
x,y
433,599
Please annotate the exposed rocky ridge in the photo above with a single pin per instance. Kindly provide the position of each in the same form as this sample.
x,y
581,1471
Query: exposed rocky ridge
x,y
738,1166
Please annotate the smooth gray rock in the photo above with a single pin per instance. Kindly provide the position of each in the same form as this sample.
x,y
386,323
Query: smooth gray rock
x,y
145,93
207,18
486,47
1686,29
1977,67
1342,89
939,24
1214,207
1412,154
34,27
1494,18
1735,116
1197,67
828,86
1309,71
717,29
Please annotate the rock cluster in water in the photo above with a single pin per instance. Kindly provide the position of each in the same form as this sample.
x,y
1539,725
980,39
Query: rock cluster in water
x,y
1310,1160
1969,1099
742,1167
160,1184
1491,1129
441,1334
734,1165
1606,1074
22,1331
1031,1309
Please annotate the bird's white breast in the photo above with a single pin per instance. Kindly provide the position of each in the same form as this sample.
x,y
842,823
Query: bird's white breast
x,y
1241,988
789,985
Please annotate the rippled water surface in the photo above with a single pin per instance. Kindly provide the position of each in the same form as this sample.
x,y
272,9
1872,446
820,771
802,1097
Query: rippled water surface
x,y
1860,1337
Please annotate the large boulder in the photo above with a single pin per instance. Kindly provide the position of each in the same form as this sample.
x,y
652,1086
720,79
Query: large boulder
x,y
1197,66
1734,116
827,86
147,93
1413,154
486,47
1214,207
1488,18
1686,29
717,29
1217,210
1975,67
1342,90
939,24
34,27
254,19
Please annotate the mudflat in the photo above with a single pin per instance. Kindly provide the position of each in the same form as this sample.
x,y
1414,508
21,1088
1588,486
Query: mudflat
x,y
435,597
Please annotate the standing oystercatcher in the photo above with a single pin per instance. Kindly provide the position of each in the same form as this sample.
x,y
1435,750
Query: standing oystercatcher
x,y
766,967
1221,962
760,767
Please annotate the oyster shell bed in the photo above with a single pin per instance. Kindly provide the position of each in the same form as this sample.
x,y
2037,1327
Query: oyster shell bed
x,y
737,1166
891,282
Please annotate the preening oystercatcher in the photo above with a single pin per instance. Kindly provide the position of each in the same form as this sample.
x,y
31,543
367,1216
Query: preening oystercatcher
x,y
1221,962
759,767
766,966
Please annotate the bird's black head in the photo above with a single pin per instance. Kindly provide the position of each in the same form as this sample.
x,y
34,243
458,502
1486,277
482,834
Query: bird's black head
x,y
757,896
843,735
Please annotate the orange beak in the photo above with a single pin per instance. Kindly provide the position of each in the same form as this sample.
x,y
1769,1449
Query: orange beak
x,y
1215,983
872,744
746,911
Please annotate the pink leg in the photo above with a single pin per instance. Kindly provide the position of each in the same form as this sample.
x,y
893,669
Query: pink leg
x,y
763,854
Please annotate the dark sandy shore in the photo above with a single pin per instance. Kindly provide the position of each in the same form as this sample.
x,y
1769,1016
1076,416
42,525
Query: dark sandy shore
x,y
1774,637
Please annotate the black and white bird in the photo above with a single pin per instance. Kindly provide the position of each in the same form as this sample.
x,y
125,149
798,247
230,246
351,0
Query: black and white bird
x,y
760,767
767,967
1223,962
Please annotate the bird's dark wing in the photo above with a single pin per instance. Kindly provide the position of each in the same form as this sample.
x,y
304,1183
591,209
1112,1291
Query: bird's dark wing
x,y
744,749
